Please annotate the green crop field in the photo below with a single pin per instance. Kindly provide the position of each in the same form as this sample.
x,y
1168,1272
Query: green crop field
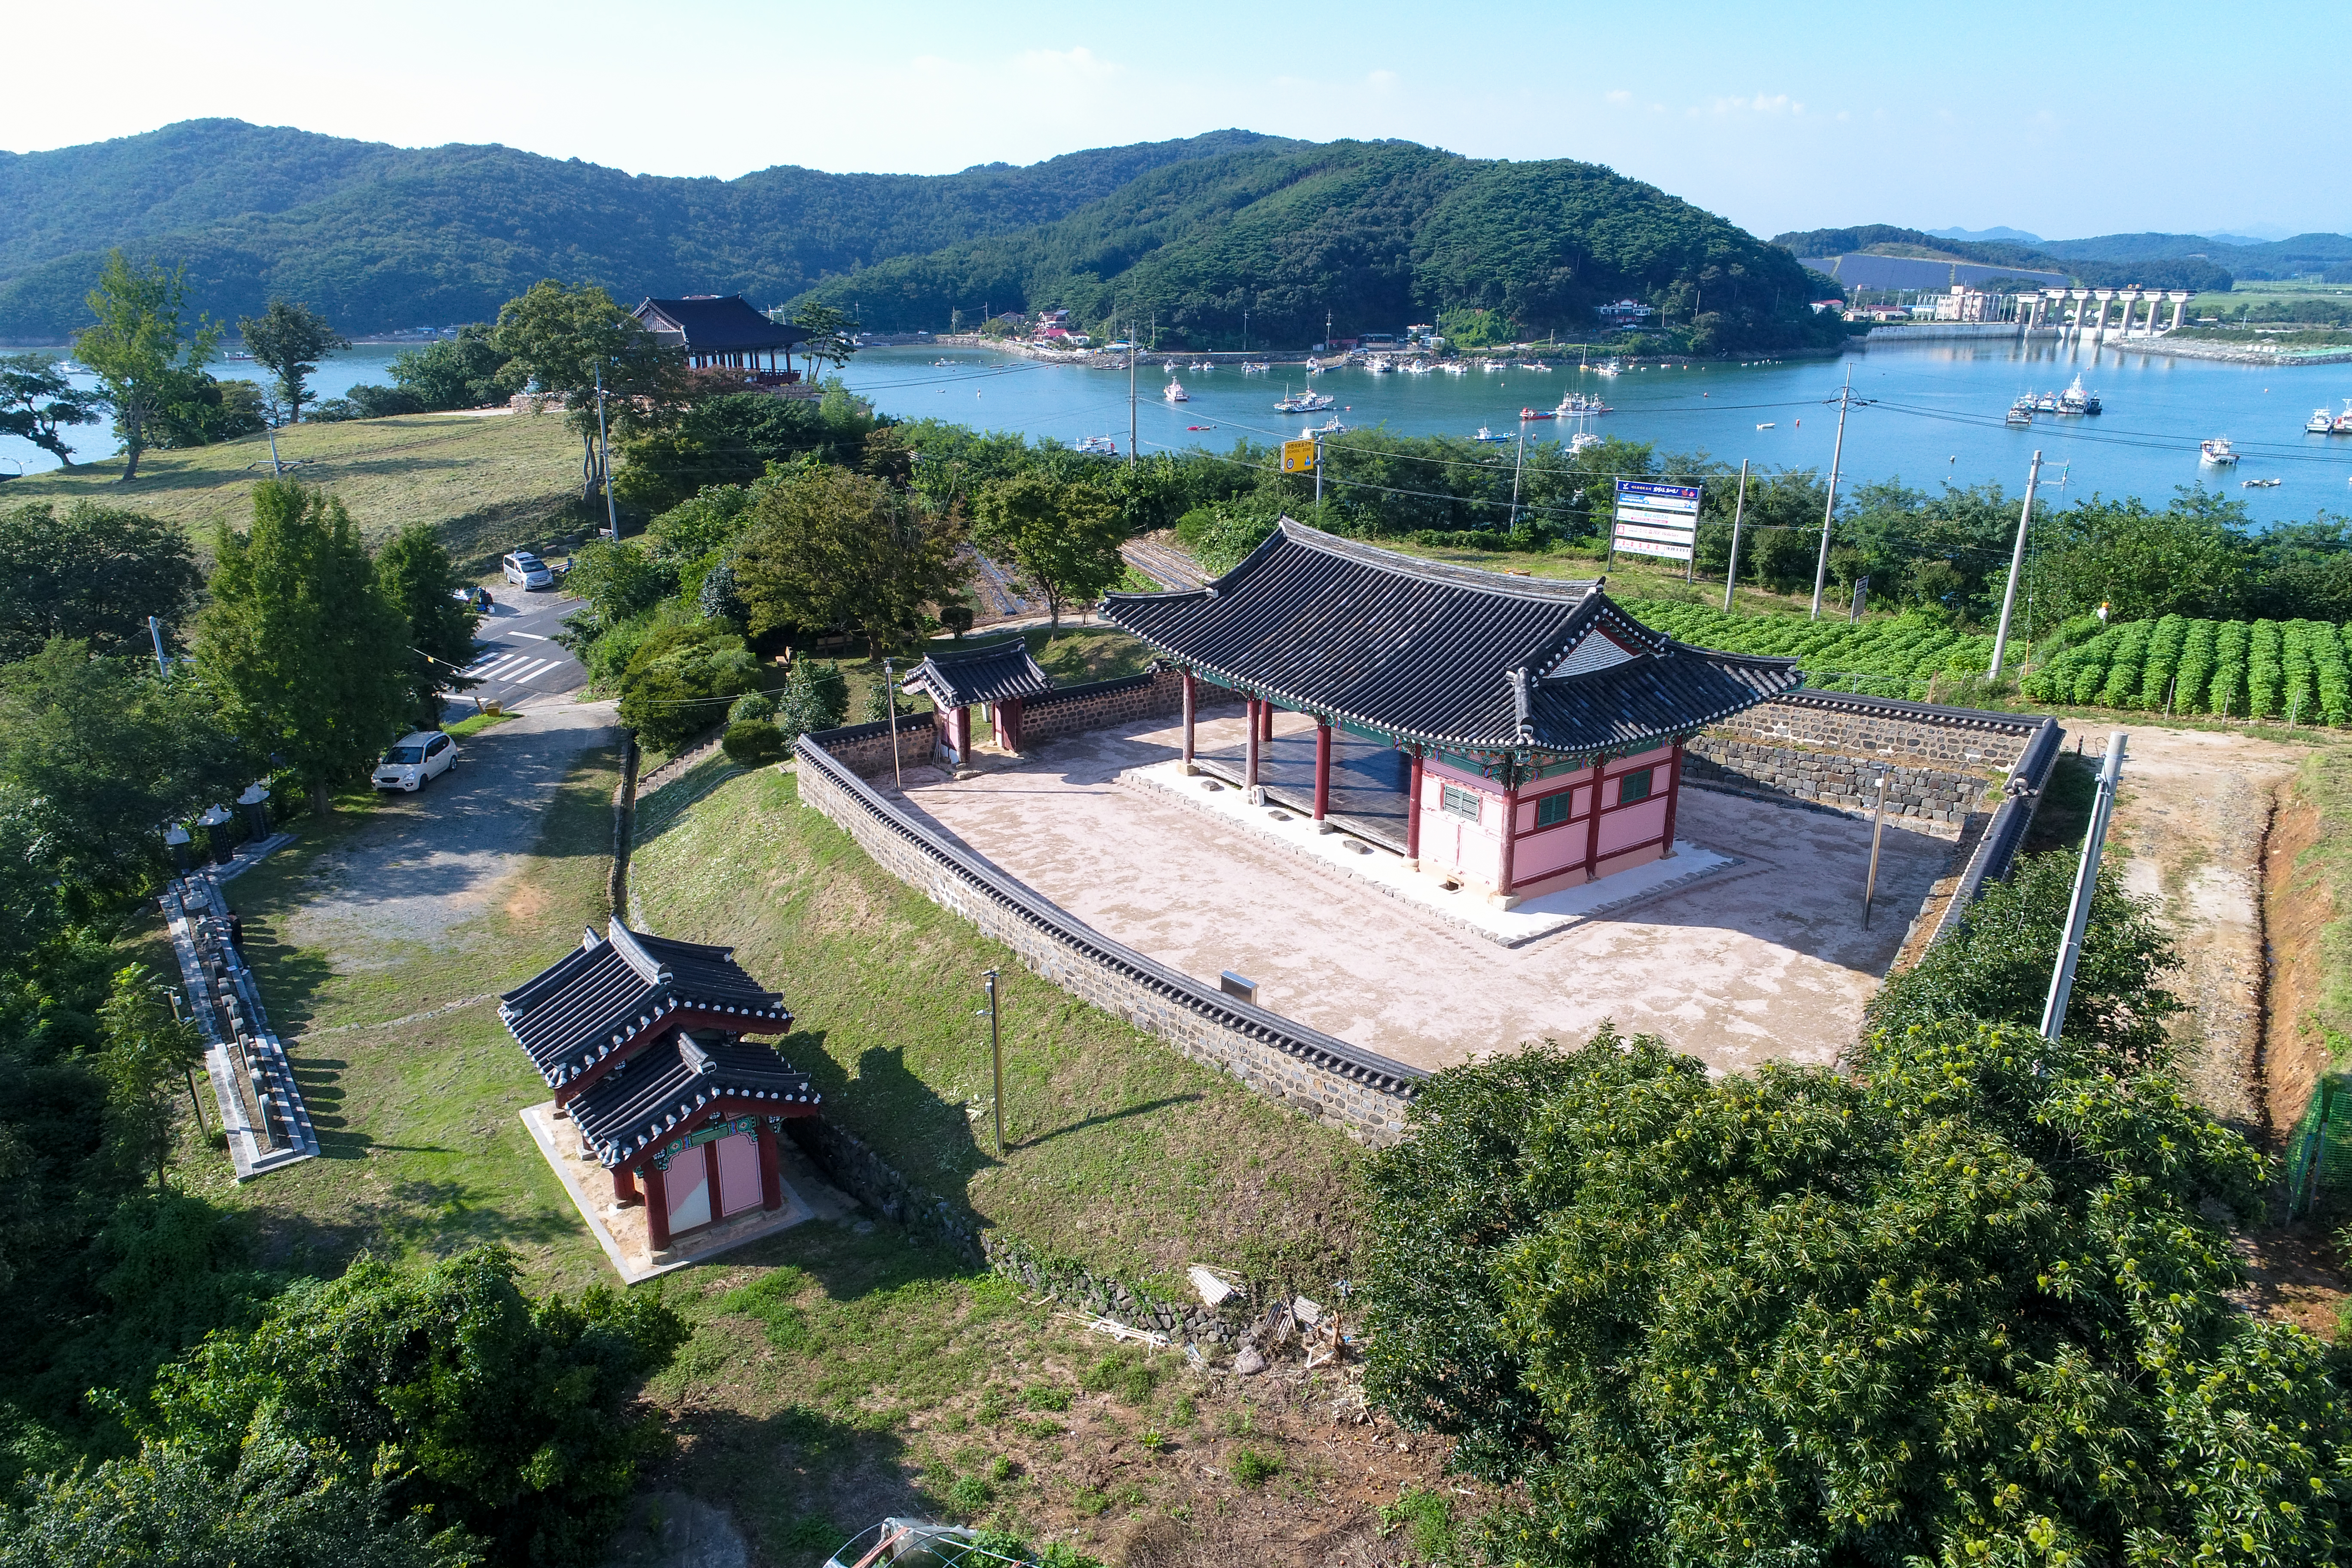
x,y
2231,669
489,484
1912,656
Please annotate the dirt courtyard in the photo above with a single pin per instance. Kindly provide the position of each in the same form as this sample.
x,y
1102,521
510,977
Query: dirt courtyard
x,y
1763,959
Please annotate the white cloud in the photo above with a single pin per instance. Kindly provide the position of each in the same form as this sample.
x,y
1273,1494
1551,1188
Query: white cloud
x,y
1617,95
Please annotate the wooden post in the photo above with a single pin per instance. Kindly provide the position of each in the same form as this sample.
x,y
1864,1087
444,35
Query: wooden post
x,y
1008,725
771,1173
625,1187
1510,835
1592,824
1250,756
1674,797
1412,814
1266,712
1191,713
1322,769
657,1208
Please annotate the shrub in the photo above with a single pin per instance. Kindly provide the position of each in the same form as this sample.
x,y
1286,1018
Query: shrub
x,y
2266,671
752,705
2333,681
2121,687
816,696
680,681
1046,1396
2227,694
2295,649
2164,644
1253,1468
2196,667
754,743
969,1496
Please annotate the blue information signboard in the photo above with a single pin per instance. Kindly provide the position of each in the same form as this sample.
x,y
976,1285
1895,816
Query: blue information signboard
x,y
1656,520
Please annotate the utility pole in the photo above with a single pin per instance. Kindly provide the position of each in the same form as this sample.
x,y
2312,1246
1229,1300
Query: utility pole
x,y
604,461
1517,464
1318,472
2086,881
1878,829
1837,455
890,696
2016,565
1133,348
996,1055
1738,515
155,631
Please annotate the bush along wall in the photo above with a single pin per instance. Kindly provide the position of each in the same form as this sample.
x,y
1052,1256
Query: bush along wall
x,y
1911,655
2298,671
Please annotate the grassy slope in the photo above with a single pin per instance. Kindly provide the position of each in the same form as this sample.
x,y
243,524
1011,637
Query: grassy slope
x,y
1120,1154
490,484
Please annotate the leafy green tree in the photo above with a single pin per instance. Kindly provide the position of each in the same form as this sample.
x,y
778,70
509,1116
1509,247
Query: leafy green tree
x,y
92,572
304,651
1996,968
466,1401
417,575
289,340
831,335
563,340
2190,559
150,1052
832,550
1963,1306
735,439
210,410
464,372
618,581
1063,537
681,681
38,402
816,698
144,361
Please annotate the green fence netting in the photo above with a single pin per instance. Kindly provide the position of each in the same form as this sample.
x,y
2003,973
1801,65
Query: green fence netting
x,y
2319,1151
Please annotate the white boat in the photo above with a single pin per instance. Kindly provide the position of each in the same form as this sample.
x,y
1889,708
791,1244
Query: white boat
x,y
1580,440
1174,392
1260,368
2217,452
1102,445
2343,420
2046,404
2021,411
1490,365
1305,403
2260,484
1419,367
1330,427
1379,366
2074,400
1492,439
1768,425
2321,423
1534,364
1576,406
1609,367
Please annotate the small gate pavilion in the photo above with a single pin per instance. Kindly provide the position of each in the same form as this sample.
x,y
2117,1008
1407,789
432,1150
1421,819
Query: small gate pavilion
x,y
1535,730
722,332
999,677
642,1039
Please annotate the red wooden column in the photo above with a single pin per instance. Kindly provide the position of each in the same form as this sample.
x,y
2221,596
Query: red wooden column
x,y
1673,796
959,736
1412,811
1322,770
1510,835
1191,713
1008,725
1265,717
656,1207
625,1187
1592,824
772,1173
1250,756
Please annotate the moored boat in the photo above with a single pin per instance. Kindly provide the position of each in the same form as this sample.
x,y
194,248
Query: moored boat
x,y
1527,414
2321,423
1174,392
2343,420
2217,452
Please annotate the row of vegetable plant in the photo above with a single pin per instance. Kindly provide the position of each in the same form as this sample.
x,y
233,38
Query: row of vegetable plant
x,y
2298,671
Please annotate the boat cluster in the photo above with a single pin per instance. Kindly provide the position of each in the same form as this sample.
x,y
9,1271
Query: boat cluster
x,y
2324,422
2073,401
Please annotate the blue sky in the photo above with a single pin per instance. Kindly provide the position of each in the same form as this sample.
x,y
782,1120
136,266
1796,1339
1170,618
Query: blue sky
x,y
2095,119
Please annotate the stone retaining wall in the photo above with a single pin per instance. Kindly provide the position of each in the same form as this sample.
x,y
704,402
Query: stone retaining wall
x,y
1100,704
1927,800
865,749
1361,1092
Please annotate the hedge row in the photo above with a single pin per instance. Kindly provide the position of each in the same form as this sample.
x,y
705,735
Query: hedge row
x,y
1902,656
2261,669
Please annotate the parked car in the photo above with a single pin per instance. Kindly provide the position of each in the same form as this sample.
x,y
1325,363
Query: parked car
x,y
528,571
472,596
414,760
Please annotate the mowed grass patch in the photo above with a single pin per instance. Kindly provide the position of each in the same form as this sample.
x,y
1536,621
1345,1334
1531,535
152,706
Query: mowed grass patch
x,y
1120,1154
487,485
410,1079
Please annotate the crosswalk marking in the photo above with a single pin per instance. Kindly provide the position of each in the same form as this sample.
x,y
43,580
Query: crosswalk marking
x,y
514,668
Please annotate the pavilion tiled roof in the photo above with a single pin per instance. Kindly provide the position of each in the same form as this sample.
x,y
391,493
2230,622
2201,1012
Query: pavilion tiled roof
x,y
1445,656
647,1098
715,324
991,674
600,996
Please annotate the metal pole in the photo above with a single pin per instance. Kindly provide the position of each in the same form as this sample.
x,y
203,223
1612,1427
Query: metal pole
x,y
1738,515
1837,455
155,631
1877,828
1133,347
996,1054
605,459
1319,476
1517,464
277,468
890,701
2016,565
2087,881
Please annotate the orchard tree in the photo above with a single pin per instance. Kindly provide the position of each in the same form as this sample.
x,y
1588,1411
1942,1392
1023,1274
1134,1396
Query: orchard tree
x,y
1063,535
564,339
37,403
289,340
146,361
417,575
305,651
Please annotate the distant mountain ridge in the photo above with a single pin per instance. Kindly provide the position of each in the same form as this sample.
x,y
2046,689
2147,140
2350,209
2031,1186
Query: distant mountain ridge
x,y
379,236
2092,271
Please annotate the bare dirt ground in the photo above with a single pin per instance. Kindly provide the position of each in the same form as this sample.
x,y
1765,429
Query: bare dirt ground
x,y
1766,960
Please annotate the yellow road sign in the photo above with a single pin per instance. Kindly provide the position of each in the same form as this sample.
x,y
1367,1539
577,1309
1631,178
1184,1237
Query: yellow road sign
x,y
1298,456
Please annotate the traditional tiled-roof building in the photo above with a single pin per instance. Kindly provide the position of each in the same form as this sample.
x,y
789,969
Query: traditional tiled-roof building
x,y
722,332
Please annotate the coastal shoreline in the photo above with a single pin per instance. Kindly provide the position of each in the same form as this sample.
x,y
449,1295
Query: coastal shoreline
x,y
2232,353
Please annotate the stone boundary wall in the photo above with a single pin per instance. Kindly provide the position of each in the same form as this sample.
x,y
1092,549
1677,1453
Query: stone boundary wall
x,y
1927,800
864,749
1997,850
1099,704
1362,1093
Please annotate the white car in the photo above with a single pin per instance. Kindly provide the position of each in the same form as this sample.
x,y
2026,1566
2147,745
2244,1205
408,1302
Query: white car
x,y
415,759
528,571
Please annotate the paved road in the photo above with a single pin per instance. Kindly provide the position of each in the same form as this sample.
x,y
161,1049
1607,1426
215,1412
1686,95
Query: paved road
x,y
516,659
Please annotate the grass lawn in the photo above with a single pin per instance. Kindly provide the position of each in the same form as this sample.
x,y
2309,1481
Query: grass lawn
x,y
488,485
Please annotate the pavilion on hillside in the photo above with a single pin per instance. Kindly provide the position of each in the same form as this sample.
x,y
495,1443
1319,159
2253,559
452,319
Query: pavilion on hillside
x,y
999,677
1536,729
642,1039
722,332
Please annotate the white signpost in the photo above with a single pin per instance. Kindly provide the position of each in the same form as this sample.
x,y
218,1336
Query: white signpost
x,y
1656,520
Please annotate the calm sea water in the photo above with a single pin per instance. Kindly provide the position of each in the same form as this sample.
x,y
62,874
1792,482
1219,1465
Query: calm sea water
x,y
1933,411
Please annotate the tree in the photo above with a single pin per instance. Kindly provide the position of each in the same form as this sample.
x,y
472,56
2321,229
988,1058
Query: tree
x,y
832,551
680,681
150,1053
94,573
289,340
816,698
2190,559
1063,536
416,574
137,350
831,334
563,340
1963,1306
305,655
37,403
465,1400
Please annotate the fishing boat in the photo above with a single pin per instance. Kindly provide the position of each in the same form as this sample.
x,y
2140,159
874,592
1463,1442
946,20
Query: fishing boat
x,y
1102,445
1491,438
1576,406
1609,367
1581,441
1534,364
2074,400
1305,403
2217,452
1330,427
1419,367
1490,365
2046,404
2260,484
2343,420
1768,425
2021,411
1455,367
1527,414
1260,368
1379,366
1174,392
2321,423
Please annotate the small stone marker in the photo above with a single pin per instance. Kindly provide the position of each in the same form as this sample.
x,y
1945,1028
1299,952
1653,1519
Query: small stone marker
x,y
1239,985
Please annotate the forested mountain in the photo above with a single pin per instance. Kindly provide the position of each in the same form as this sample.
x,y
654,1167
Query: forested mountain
x,y
2152,271
1375,233
379,236
2258,258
